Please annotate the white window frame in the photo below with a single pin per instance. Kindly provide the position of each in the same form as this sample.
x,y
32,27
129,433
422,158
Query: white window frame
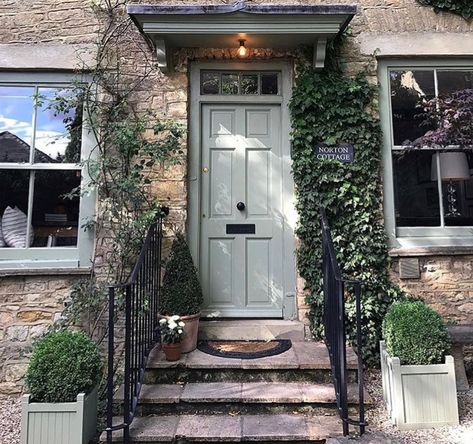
x,y
54,257
412,237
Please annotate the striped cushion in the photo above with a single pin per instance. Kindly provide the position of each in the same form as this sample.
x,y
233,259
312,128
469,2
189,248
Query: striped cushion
x,y
14,227
2,241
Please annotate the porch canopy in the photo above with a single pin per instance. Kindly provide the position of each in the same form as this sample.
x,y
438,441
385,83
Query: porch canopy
x,y
260,25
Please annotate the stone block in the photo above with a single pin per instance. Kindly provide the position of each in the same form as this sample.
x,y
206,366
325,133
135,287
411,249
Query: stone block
x,y
17,332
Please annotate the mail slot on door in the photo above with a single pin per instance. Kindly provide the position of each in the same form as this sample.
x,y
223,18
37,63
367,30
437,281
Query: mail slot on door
x,y
241,229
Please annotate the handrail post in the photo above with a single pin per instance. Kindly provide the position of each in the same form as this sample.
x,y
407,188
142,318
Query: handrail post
x,y
127,399
111,353
359,346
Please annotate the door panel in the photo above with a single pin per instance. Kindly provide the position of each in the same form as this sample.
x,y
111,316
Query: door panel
x,y
241,162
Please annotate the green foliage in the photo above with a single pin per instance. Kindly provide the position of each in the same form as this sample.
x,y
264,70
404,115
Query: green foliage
x,y
415,333
62,365
327,107
460,7
181,292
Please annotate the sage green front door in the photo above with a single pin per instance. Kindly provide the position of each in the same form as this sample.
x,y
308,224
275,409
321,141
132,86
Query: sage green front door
x,y
241,245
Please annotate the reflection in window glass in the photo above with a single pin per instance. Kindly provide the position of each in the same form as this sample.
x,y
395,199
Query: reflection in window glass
x,y
58,131
14,188
416,190
16,117
230,84
210,83
452,81
269,83
249,84
55,214
408,90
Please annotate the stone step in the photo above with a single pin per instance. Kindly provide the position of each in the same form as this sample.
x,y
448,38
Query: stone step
x,y
247,329
304,361
245,398
236,428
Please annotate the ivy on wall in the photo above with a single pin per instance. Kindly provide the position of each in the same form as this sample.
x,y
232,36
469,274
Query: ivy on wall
x,y
460,7
328,107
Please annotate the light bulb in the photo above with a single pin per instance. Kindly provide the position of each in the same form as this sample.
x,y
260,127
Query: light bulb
x,y
242,50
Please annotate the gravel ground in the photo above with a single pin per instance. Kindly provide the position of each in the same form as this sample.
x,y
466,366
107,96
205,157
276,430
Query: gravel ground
x,y
378,420
10,411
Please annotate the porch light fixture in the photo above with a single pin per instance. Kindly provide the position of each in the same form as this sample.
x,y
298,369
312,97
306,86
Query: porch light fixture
x,y
242,50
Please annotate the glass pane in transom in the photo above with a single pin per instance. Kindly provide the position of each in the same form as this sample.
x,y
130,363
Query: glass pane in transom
x,y
230,83
210,83
249,84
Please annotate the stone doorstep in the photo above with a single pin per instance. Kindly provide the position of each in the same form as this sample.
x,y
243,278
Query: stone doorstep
x,y
302,355
252,329
203,428
251,393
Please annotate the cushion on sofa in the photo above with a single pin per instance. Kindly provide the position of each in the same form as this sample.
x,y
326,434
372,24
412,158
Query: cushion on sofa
x,y
14,227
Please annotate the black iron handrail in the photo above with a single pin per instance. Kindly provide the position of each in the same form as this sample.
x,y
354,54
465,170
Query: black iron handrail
x,y
142,294
335,327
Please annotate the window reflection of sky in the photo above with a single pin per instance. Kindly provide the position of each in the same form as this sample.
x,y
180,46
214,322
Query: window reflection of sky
x,y
16,116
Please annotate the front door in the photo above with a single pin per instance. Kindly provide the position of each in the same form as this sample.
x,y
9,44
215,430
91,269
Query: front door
x,y
241,253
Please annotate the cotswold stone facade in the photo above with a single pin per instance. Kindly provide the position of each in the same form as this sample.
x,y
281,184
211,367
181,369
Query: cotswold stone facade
x,y
54,35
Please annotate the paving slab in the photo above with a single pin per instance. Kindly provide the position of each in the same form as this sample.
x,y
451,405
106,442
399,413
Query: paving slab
x,y
286,360
209,428
212,392
274,427
147,429
267,392
198,359
321,427
367,438
158,360
311,355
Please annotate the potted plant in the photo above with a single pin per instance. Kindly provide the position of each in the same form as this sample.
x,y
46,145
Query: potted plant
x,y
181,292
419,385
62,377
171,329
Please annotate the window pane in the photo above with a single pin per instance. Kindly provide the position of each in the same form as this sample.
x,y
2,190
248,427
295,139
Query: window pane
x,y
14,186
416,189
269,83
408,90
55,215
58,127
16,117
230,83
210,83
457,187
451,81
249,84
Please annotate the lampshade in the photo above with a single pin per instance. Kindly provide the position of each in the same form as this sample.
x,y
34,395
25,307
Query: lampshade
x,y
453,166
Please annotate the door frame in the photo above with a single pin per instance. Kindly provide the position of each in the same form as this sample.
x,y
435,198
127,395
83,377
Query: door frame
x,y
195,162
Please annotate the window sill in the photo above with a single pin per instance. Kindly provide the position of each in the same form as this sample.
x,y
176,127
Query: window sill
x,y
44,272
431,251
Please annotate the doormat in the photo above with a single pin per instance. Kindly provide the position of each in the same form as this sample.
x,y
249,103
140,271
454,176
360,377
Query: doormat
x,y
244,349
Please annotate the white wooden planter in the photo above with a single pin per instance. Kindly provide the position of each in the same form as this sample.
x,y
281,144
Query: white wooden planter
x,y
59,423
419,396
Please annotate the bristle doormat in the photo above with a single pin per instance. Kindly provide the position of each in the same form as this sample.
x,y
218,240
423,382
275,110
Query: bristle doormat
x,y
244,349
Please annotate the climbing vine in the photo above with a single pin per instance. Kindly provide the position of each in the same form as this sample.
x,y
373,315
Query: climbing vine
x,y
460,7
328,107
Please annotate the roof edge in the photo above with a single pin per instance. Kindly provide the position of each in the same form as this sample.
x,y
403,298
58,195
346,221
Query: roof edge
x,y
242,6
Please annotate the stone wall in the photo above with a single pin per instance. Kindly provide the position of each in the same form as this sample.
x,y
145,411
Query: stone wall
x,y
28,306
445,283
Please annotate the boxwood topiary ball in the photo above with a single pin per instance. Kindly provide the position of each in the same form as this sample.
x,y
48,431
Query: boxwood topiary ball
x,y
62,365
415,333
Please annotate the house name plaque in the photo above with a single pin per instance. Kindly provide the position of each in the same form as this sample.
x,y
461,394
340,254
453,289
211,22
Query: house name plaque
x,y
343,152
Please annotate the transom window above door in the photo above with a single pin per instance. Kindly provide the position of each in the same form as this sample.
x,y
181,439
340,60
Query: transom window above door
x,y
233,83
428,185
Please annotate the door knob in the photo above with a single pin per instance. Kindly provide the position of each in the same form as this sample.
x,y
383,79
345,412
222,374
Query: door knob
x,y
240,206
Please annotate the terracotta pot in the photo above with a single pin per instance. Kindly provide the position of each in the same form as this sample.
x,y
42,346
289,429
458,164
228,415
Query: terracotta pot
x,y
172,351
191,329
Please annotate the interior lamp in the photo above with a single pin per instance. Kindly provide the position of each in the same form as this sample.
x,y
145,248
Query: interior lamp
x,y
242,50
453,167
